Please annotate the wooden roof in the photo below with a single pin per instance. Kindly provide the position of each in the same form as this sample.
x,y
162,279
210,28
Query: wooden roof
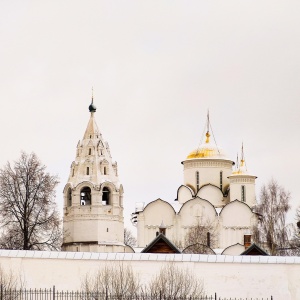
x,y
254,250
161,244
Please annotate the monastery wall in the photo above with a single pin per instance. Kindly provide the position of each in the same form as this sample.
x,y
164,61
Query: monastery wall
x,y
228,276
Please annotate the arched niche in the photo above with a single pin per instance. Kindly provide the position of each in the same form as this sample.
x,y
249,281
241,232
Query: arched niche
x,y
106,196
69,197
85,196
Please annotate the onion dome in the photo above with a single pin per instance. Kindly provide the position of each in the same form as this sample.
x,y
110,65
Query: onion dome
x,y
92,107
207,150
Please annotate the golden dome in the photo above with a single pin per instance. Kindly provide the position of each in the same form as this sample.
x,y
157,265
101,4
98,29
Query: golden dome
x,y
207,150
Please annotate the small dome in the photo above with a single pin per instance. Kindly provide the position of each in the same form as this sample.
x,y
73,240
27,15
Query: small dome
x,y
207,150
241,170
92,107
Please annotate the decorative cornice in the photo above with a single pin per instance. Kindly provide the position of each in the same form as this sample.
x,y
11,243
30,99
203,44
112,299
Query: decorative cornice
x,y
236,227
197,164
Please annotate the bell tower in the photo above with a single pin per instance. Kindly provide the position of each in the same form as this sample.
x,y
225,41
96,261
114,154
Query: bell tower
x,y
93,197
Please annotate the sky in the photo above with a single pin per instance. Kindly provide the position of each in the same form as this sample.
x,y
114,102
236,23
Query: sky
x,y
156,68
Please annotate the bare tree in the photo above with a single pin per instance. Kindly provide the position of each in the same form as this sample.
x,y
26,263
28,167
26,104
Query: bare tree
x,y
271,231
8,280
29,217
297,229
201,238
295,239
114,281
129,239
10,285
173,282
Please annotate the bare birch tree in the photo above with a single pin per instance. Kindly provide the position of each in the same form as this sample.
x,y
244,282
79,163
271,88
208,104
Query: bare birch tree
x,y
113,281
271,231
173,282
29,217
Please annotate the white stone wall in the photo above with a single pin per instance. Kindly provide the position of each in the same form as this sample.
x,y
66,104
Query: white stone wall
x,y
209,172
228,276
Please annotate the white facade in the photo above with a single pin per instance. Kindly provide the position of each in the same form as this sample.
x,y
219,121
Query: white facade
x,y
93,197
213,192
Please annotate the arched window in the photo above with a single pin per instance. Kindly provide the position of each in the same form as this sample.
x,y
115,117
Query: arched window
x,y
87,171
197,180
243,193
104,171
221,180
90,151
106,196
69,197
85,196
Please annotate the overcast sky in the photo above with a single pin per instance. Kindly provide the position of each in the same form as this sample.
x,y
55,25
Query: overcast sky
x,y
156,68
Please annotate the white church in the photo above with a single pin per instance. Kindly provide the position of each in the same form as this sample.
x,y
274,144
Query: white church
x,y
217,195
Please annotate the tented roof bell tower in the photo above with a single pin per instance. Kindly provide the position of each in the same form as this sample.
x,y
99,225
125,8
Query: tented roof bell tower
x,y
93,197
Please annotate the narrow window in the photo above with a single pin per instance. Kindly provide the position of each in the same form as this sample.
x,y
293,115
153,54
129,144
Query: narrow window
x,y
101,152
221,180
208,239
243,193
69,197
197,180
105,196
90,151
106,229
73,172
104,170
162,230
90,136
87,171
247,240
85,196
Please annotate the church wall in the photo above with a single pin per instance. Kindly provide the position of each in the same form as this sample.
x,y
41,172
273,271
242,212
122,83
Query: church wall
x,y
184,194
236,189
155,214
235,221
228,276
213,194
209,172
